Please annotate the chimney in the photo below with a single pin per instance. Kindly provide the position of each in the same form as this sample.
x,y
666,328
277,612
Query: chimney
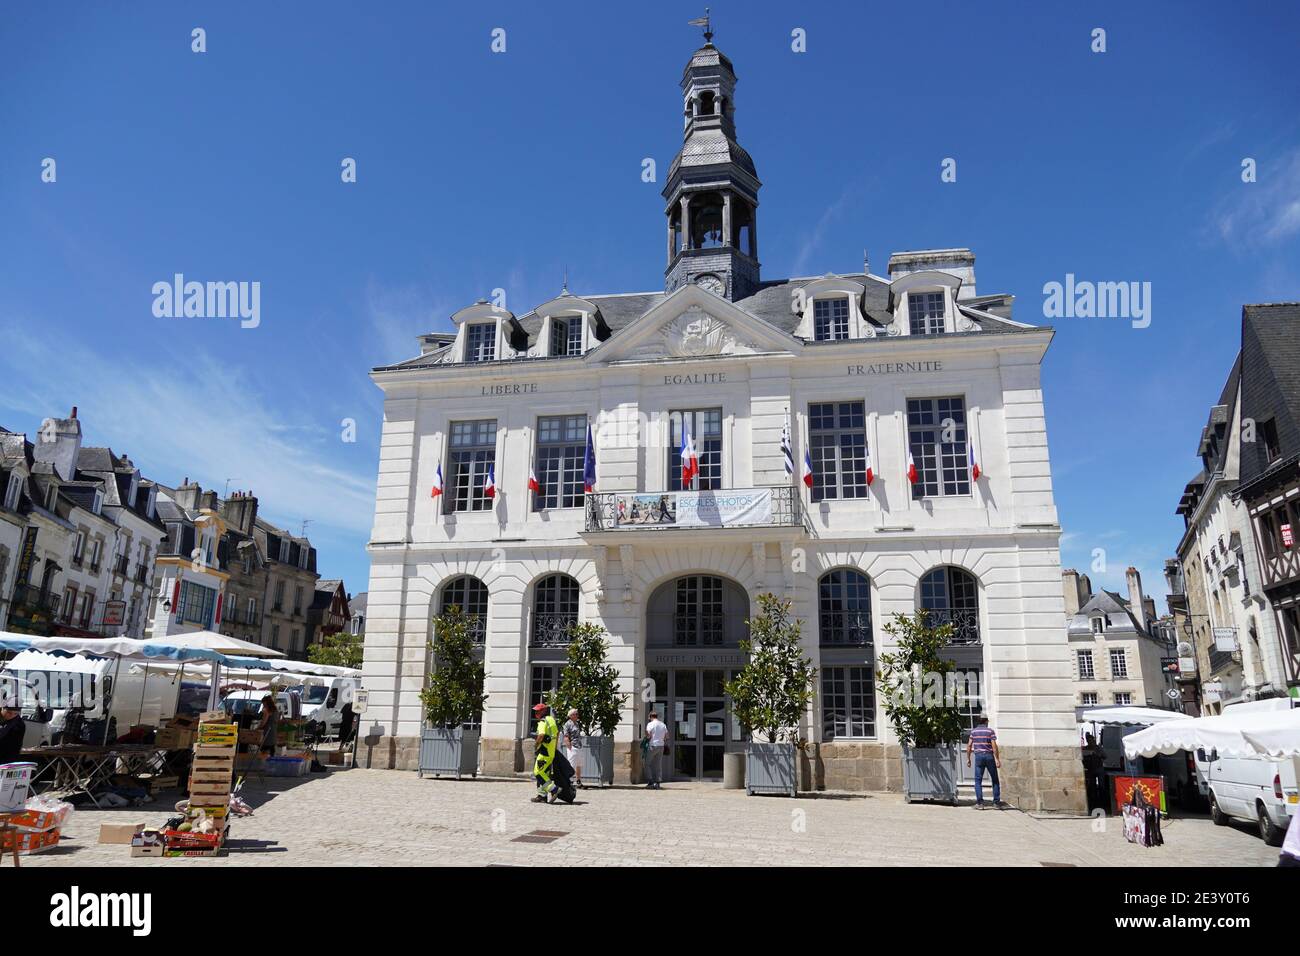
x,y
1136,604
240,512
1085,589
187,495
1070,585
59,443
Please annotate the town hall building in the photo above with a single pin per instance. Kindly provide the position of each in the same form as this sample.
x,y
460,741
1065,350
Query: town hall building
x,y
916,399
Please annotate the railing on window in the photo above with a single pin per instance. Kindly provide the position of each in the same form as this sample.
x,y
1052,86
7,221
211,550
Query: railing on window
x,y
845,628
688,629
142,573
610,511
27,596
552,629
477,632
965,623
119,565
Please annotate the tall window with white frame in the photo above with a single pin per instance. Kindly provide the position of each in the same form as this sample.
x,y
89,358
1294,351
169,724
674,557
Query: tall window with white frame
x,y
951,596
1086,671
561,446
470,595
480,342
936,435
566,336
925,313
555,609
473,452
1118,663
706,432
837,443
848,702
830,320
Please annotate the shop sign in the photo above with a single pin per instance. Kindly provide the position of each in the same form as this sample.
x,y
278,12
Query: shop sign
x,y
1225,639
114,613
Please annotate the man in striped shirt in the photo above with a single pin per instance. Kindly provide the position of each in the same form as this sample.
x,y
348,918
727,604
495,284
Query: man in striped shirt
x,y
983,746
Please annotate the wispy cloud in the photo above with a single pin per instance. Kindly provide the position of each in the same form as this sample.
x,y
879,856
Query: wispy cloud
x,y
810,242
186,414
1264,212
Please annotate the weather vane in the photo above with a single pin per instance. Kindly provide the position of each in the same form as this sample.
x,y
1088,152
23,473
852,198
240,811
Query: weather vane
x,y
704,22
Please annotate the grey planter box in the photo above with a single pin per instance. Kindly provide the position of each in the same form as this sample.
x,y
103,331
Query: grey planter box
x,y
596,760
931,773
770,768
452,751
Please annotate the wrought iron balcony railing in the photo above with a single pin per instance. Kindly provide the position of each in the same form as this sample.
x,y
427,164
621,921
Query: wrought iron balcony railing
x,y
687,629
552,629
845,628
33,599
965,623
779,506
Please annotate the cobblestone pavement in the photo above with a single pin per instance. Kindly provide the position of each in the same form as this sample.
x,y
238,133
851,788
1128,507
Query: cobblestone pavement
x,y
393,818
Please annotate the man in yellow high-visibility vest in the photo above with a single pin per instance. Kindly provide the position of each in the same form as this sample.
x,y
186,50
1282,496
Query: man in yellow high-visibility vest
x,y
547,740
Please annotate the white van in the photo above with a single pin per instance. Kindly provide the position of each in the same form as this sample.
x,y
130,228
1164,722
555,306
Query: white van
x,y
323,703
126,692
1258,789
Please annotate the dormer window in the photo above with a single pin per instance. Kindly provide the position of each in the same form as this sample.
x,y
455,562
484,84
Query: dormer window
x,y
480,342
830,320
51,497
12,490
566,336
1099,625
153,491
925,312
98,504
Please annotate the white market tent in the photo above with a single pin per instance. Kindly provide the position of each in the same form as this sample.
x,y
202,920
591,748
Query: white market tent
x,y
1141,716
221,643
1245,734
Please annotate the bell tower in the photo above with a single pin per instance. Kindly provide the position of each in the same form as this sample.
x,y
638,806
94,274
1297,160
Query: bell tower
x,y
712,187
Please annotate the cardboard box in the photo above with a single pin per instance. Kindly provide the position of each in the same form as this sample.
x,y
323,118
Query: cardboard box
x,y
28,841
174,738
118,832
156,850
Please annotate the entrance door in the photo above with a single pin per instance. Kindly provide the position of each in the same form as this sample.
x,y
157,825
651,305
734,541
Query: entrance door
x,y
700,726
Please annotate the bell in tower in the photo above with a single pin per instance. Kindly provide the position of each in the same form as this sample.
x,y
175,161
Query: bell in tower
x,y
712,188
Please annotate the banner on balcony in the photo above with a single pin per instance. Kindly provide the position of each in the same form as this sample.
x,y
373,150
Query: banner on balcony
x,y
694,509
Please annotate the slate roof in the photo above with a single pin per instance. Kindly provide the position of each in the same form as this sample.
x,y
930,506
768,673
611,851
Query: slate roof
x,y
1270,358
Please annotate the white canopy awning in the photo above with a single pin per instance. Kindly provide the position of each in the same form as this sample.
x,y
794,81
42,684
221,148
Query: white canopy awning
x,y
221,643
1142,716
1246,734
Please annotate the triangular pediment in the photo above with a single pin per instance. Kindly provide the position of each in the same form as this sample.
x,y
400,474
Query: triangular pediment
x,y
693,323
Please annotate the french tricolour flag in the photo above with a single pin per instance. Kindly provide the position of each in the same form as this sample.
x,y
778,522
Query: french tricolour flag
x,y
533,483
871,471
970,459
437,483
690,461
490,483
912,474
807,468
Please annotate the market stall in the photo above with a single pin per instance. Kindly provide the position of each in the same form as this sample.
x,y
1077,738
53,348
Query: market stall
x,y
1110,776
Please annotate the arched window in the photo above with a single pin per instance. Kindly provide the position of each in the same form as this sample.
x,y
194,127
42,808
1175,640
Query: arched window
x,y
555,608
951,595
844,607
471,596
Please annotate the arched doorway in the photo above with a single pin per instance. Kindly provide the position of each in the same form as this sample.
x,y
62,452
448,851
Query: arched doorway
x,y
694,626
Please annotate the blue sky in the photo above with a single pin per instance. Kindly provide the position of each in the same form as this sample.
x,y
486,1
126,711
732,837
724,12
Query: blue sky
x,y
479,170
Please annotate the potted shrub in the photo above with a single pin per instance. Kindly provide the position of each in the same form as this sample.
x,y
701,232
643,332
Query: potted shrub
x,y
770,696
591,685
452,699
920,701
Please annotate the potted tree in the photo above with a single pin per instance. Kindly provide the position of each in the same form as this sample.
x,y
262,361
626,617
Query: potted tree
x,y
770,696
921,703
589,684
452,699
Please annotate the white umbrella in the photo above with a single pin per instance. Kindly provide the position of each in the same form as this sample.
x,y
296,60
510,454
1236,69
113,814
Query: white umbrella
x,y
1274,732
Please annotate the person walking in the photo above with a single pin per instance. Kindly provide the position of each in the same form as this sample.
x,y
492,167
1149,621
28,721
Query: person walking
x,y
547,739
12,729
656,736
983,746
572,731
270,725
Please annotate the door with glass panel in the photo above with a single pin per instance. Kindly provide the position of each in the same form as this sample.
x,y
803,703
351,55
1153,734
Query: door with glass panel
x,y
691,701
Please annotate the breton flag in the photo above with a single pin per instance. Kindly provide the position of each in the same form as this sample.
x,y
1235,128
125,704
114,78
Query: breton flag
x,y
533,483
690,462
490,483
871,471
974,465
589,464
912,475
787,453
807,469
437,483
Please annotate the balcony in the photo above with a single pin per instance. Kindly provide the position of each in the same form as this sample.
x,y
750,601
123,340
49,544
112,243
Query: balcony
x,y
552,629
845,628
687,629
632,512
142,574
119,565
31,600
965,623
